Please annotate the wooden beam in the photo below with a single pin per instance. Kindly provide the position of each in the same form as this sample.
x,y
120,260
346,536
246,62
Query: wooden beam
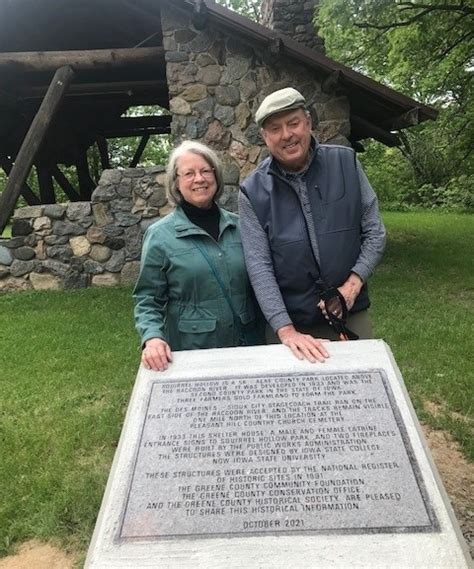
x,y
65,184
139,151
86,183
358,147
331,81
94,89
365,129
276,46
410,118
79,60
33,139
200,15
103,148
30,197
137,126
146,121
122,133
46,186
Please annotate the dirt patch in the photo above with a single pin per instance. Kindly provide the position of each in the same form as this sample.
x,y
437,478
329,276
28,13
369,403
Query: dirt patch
x,y
438,410
457,475
36,555
458,478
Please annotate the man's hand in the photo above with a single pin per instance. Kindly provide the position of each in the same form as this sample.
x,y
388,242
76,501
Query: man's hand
x,y
350,290
303,345
156,354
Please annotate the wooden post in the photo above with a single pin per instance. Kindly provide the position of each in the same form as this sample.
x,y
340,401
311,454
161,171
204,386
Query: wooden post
x,y
86,183
103,152
46,185
33,139
139,151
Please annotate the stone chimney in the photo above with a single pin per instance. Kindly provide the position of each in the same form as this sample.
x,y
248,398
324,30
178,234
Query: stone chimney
x,y
293,18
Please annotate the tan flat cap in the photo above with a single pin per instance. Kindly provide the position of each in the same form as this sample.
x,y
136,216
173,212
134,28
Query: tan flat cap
x,y
278,101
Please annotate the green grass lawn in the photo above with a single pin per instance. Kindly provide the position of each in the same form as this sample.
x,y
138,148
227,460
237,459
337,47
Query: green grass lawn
x,y
423,307
67,365
68,362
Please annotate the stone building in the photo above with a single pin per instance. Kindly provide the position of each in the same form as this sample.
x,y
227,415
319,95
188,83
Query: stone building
x,y
209,68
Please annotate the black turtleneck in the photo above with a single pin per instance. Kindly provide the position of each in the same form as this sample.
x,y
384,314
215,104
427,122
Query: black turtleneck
x,y
207,219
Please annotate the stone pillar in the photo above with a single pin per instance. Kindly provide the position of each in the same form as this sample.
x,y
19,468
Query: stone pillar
x,y
293,18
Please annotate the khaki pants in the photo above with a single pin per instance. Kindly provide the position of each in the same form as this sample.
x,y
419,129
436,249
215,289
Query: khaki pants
x,y
359,323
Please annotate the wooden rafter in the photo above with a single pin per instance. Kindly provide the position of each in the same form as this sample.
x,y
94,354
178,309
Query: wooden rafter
x,y
79,60
332,81
139,151
46,185
371,130
410,118
65,184
137,126
94,89
86,183
103,148
30,197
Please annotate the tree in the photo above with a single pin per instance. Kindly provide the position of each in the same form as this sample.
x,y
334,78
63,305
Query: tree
x,y
425,50
248,8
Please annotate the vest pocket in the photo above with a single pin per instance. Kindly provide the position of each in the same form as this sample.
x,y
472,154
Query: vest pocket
x,y
197,334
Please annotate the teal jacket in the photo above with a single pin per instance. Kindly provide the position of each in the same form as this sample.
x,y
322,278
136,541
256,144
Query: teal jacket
x,y
177,297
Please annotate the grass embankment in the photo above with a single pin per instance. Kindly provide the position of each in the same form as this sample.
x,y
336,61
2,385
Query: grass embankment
x,y
68,361
423,307
67,365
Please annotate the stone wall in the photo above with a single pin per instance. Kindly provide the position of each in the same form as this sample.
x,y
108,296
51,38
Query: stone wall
x,y
216,82
79,244
293,18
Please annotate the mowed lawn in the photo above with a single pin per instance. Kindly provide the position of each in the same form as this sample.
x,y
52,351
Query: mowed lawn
x,y
68,361
423,307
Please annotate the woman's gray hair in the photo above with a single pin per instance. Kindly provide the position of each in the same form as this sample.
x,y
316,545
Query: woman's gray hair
x,y
172,192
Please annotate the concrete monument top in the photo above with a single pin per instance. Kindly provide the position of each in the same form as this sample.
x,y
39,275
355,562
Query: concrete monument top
x,y
249,457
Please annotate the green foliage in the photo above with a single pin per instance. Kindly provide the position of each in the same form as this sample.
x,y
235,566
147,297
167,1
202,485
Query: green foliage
x,y
248,8
156,152
420,48
423,49
388,171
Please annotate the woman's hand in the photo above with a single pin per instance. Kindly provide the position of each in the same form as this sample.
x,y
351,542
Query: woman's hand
x,y
156,354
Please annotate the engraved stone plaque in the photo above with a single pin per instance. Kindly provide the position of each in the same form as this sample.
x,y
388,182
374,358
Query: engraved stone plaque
x,y
289,453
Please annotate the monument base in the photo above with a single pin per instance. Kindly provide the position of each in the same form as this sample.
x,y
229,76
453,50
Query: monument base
x,y
248,457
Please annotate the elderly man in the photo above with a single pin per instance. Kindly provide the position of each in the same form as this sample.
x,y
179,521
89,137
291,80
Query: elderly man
x,y
311,232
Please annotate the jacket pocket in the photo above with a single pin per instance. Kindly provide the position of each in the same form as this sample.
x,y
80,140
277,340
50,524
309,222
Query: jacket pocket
x,y
247,317
197,334
251,331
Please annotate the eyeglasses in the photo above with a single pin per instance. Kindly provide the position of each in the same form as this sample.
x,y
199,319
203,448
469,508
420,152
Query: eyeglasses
x,y
189,175
336,309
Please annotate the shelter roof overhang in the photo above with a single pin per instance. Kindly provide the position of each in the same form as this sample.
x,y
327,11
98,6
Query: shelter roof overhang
x,y
376,109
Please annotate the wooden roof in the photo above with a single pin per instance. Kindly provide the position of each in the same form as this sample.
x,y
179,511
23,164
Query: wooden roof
x,y
114,51
100,94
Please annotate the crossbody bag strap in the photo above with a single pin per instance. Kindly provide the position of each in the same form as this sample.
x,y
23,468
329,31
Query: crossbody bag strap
x,y
219,280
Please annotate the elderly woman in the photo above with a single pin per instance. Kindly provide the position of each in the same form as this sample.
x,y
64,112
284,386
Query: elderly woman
x,y
193,290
